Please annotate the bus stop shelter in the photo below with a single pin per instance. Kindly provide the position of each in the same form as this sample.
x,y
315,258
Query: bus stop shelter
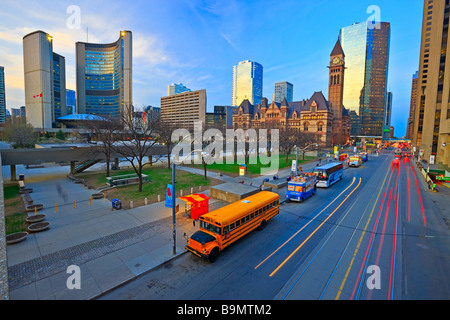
x,y
197,203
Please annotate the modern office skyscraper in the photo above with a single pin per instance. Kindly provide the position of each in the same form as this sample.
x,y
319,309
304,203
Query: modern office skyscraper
x,y
431,134
412,106
59,87
388,115
176,88
247,82
366,48
2,96
71,101
45,80
104,76
184,109
284,90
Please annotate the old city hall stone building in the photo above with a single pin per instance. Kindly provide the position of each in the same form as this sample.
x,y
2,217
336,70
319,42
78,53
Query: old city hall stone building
x,y
326,118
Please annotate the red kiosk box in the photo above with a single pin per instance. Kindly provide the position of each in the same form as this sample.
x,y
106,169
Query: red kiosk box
x,y
198,203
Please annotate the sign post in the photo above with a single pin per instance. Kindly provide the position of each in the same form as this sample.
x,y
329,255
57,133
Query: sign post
x,y
294,166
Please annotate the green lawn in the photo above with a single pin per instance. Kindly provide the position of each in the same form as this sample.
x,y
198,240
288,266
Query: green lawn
x,y
15,214
159,177
233,169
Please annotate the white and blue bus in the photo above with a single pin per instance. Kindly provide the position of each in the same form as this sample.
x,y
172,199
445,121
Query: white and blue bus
x,y
328,174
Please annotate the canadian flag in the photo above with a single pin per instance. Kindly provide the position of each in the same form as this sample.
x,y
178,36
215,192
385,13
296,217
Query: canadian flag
x,y
38,96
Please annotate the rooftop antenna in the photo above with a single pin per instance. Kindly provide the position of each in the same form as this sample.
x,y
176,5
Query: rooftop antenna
x,y
87,34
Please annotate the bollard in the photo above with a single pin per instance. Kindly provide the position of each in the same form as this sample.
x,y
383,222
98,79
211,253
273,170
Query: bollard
x,y
56,208
131,204
145,200
192,190
199,188
90,201
105,197
74,204
159,198
35,210
181,193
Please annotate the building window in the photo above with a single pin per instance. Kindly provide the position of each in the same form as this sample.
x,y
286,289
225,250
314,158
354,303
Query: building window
x,y
320,127
305,126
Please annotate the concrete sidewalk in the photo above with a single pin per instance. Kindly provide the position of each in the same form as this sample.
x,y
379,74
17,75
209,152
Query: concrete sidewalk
x,y
111,247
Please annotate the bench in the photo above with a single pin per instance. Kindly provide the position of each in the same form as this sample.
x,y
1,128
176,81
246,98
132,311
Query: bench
x,y
125,179
23,189
27,198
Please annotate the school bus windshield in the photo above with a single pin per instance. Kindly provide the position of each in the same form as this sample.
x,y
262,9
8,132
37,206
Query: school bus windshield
x,y
210,227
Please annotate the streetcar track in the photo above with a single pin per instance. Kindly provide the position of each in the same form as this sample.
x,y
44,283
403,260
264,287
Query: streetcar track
x,y
303,227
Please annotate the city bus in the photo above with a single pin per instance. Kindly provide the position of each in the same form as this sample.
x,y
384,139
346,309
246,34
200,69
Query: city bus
x,y
222,227
329,174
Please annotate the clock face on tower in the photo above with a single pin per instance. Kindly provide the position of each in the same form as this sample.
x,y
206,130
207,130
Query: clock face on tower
x,y
336,60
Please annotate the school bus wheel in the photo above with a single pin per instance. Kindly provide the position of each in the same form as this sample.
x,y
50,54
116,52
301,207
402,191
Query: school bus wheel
x,y
213,254
263,225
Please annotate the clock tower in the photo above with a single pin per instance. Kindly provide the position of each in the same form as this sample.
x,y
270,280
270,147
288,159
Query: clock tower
x,y
336,80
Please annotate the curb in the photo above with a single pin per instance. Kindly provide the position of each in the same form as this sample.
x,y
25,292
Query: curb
x,y
136,277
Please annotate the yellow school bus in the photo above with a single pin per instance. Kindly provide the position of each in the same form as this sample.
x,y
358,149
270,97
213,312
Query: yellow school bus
x,y
222,227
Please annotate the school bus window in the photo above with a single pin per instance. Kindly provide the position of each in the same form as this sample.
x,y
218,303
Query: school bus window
x,y
247,218
226,229
210,227
238,223
252,215
232,226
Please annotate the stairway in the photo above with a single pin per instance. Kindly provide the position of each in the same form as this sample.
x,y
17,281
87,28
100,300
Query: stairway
x,y
83,165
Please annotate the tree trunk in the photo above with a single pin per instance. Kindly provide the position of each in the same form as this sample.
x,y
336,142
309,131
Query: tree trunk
x,y
168,157
140,176
107,166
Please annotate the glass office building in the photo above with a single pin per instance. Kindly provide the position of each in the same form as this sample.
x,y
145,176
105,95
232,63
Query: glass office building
x,y
104,76
2,96
366,48
283,90
176,88
247,82
59,87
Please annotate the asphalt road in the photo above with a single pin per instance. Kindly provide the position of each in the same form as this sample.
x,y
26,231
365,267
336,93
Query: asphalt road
x,y
374,235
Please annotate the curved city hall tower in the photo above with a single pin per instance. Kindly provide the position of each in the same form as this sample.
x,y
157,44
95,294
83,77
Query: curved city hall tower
x,y
104,76
45,80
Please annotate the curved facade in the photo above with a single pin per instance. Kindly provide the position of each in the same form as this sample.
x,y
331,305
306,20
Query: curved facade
x,y
45,80
104,76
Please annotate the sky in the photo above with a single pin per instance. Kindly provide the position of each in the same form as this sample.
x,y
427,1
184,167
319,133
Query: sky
x,y
197,42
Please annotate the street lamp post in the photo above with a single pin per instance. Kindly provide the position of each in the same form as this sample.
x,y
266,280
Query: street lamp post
x,y
174,209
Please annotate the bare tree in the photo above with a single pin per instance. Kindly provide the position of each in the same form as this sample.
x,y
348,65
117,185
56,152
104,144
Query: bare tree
x,y
289,138
137,139
307,140
106,131
164,133
20,133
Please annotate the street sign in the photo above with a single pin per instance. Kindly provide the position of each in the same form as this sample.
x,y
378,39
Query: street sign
x,y
432,157
169,195
294,166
